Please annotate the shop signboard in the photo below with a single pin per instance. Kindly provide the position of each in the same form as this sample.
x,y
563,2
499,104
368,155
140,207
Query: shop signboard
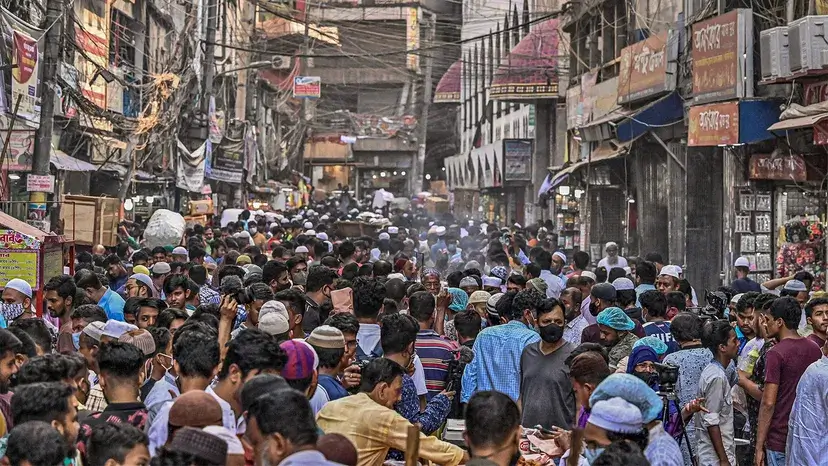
x,y
18,257
307,87
20,152
720,46
40,183
648,68
517,159
714,125
412,38
23,47
781,168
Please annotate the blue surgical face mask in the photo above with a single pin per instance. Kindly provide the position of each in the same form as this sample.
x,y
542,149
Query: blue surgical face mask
x,y
592,454
76,340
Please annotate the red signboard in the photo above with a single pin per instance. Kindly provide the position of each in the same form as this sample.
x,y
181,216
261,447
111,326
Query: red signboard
x,y
782,168
647,68
816,92
714,124
719,48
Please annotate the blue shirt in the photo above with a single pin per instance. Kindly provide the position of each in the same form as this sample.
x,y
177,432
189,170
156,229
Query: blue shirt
x,y
113,304
661,330
641,289
743,285
496,364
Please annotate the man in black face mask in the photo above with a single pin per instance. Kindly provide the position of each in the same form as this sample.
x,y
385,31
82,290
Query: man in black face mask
x,y
546,394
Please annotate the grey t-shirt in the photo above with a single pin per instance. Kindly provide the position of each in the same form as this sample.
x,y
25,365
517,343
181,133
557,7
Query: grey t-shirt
x,y
546,392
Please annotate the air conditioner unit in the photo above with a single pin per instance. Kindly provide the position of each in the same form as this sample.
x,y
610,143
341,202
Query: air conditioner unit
x,y
775,57
281,62
807,38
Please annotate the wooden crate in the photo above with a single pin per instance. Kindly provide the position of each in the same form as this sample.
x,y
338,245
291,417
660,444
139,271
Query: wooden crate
x,y
91,220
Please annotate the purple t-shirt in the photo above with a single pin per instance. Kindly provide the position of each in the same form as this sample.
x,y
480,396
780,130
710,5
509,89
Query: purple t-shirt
x,y
784,365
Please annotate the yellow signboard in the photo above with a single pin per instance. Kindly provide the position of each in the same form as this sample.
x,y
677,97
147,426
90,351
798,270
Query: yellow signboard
x,y
18,264
412,39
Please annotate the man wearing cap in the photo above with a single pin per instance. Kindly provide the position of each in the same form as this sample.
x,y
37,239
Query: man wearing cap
x,y
743,283
17,300
329,344
617,334
554,284
180,254
669,279
301,368
159,271
139,286
612,259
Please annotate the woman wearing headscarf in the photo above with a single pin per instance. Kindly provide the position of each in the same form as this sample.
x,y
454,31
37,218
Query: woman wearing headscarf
x,y
459,302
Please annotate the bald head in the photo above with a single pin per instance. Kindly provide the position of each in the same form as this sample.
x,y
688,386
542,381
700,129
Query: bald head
x,y
572,299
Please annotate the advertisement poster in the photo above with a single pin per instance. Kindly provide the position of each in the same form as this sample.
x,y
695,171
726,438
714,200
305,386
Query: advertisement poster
x,y
20,151
307,87
517,159
228,162
22,45
93,40
18,257
412,38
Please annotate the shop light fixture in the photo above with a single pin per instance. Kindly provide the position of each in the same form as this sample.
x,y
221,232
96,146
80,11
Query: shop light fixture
x,y
374,177
564,190
150,199
395,173
428,177
579,192
136,199
14,176
403,173
444,168
257,205
383,174
128,204
631,200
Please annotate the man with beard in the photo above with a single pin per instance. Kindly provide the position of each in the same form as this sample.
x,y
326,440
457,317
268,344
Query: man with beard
x,y
17,300
575,323
276,275
52,402
601,296
317,293
546,394
616,329
60,294
251,353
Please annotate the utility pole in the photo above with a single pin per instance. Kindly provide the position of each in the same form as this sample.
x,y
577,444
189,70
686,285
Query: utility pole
x,y
37,211
209,60
418,167
304,111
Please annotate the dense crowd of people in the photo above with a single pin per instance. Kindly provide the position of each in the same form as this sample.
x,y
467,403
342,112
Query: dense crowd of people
x,y
277,340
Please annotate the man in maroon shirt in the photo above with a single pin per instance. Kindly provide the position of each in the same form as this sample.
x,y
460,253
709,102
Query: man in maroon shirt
x,y
816,312
785,364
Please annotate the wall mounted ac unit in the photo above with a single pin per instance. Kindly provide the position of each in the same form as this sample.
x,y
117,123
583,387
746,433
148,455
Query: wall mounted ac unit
x,y
807,38
775,57
280,62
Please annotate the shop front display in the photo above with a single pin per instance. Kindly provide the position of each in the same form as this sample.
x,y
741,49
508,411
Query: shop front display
x,y
568,218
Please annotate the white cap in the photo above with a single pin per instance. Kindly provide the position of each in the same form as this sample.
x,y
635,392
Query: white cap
x,y
116,328
310,233
20,285
322,235
300,249
180,251
590,275
671,271
441,231
735,299
393,230
384,235
308,226
742,262
94,330
622,284
616,415
273,324
324,217
273,307
398,276
260,212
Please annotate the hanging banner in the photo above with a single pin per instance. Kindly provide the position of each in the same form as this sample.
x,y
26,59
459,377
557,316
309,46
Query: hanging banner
x,y
517,159
228,162
307,87
22,46
721,70
190,169
648,68
714,124
216,121
92,37
412,38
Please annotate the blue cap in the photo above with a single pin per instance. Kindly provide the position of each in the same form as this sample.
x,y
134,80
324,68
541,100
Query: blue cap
x,y
616,319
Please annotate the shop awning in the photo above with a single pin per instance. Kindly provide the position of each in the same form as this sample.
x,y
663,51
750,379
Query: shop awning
x,y
665,111
796,123
610,149
65,162
602,128
448,89
531,70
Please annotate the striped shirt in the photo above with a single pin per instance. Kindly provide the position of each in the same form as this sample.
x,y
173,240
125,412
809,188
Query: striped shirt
x,y
435,352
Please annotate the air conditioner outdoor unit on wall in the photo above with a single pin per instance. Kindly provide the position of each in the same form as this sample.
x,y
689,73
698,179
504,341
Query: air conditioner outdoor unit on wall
x,y
281,62
775,56
807,38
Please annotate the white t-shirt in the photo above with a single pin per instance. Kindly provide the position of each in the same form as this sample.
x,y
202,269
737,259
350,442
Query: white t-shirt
x,y
419,377
618,265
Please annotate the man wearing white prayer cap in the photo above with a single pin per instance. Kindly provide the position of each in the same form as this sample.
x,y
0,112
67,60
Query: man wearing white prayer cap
x,y
612,259
17,299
